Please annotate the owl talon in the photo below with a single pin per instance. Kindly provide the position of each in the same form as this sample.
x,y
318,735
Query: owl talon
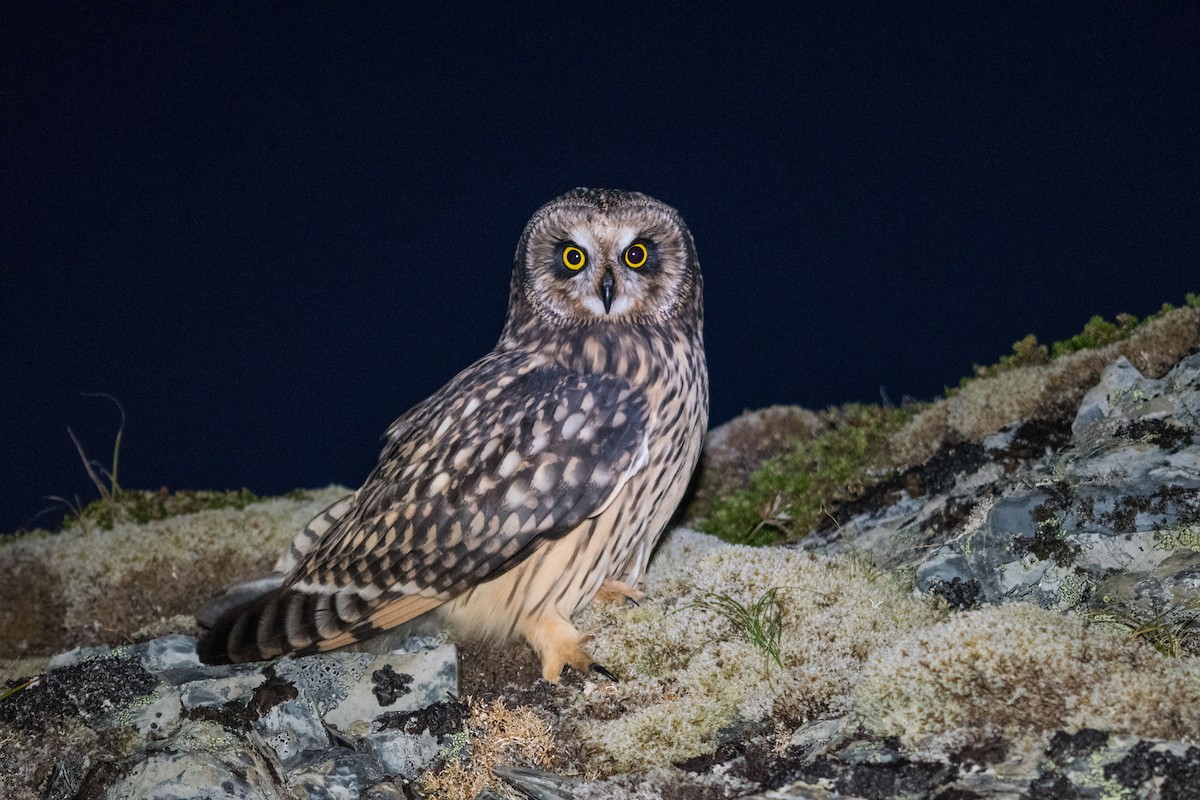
x,y
602,671
617,592
559,645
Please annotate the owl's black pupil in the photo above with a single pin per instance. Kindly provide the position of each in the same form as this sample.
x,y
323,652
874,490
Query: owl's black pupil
x,y
573,256
637,254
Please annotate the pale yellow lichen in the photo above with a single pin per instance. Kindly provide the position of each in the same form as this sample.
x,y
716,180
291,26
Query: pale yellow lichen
x,y
98,586
1023,669
687,670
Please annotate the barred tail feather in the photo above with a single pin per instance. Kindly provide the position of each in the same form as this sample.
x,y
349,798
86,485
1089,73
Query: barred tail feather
x,y
289,622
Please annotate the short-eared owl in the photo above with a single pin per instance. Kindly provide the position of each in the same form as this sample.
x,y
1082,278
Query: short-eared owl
x,y
539,477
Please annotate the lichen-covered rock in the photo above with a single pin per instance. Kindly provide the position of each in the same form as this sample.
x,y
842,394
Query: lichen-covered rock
x,y
149,720
1044,392
1111,522
194,763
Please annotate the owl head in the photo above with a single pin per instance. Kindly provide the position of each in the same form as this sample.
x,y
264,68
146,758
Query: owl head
x,y
599,257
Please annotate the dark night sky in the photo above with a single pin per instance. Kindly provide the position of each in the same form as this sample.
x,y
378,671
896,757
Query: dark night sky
x,y
269,231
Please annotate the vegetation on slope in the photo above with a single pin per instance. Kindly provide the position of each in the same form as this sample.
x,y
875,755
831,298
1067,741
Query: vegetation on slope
x,y
853,449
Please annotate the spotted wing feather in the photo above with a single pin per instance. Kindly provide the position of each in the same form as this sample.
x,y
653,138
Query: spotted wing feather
x,y
506,454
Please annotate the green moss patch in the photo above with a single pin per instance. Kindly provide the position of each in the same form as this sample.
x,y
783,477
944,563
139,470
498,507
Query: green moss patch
x,y
793,493
139,506
1097,332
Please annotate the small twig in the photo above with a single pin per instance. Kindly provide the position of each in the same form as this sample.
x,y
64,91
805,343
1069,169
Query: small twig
x,y
87,465
116,487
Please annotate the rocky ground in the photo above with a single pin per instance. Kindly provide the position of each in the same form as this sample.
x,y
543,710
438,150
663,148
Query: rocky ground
x,y
1011,614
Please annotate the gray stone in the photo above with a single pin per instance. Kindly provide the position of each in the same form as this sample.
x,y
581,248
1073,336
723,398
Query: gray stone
x,y
173,658
77,655
159,717
400,682
201,760
170,653
336,774
326,678
1116,381
404,754
818,737
538,785
216,692
942,567
293,728
1112,519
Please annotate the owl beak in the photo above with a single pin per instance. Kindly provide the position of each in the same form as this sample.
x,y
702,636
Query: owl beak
x,y
607,287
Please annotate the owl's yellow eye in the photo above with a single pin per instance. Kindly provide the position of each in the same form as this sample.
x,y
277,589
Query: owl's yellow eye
x,y
636,255
573,257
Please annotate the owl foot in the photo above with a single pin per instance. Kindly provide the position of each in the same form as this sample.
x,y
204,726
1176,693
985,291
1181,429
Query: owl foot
x,y
616,592
560,645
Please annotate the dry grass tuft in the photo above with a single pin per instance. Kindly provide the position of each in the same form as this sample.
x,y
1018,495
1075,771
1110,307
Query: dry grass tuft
x,y
494,735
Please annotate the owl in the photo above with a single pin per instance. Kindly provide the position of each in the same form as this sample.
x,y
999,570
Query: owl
x,y
538,479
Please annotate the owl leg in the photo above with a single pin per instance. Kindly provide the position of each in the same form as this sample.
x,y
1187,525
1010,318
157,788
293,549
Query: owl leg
x,y
559,645
617,592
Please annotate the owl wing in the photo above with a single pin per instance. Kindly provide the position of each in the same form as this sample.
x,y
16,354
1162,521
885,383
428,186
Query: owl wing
x,y
467,485
506,454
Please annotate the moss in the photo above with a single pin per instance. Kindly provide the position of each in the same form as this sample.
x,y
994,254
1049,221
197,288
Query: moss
x,y
92,586
791,493
1026,352
85,691
1022,669
32,604
735,450
139,506
1097,332
1050,542
688,671
1169,436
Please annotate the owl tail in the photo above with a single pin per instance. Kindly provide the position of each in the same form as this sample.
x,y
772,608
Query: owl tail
x,y
285,621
